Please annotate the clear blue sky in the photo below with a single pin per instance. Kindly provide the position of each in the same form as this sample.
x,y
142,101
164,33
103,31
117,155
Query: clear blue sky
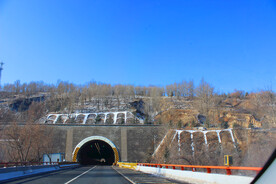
x,y
231,44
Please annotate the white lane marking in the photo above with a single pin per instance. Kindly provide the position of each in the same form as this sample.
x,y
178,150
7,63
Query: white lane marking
x,y
80,175
124,176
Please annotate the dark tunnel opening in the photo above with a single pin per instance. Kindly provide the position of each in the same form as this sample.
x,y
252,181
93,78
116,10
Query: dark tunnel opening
x,y
96,152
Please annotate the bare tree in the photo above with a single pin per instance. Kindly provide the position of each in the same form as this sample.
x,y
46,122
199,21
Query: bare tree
x,y
204,93
28,142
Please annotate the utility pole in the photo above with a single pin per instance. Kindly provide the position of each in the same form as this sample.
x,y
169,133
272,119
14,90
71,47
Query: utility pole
x,y
1,68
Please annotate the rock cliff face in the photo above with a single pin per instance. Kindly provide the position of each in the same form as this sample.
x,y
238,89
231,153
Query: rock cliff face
x,y
178,116
248,147
240,119
191,118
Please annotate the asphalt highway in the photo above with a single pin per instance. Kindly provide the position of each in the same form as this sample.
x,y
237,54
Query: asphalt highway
x,y
81,175
97,175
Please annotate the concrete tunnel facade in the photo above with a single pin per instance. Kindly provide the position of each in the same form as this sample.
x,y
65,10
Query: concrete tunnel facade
x,y
132,143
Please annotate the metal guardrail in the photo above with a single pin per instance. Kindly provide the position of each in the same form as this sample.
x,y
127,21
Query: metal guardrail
x,y
15,170
208,168
11,164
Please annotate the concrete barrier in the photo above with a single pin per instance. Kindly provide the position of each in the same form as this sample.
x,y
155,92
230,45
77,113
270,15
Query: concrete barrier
x,y
12,173
196,177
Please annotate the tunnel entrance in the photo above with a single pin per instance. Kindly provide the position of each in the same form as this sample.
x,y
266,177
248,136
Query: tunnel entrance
x,y
96,152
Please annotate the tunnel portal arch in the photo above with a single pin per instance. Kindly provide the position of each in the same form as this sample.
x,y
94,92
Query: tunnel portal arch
x,y
95,139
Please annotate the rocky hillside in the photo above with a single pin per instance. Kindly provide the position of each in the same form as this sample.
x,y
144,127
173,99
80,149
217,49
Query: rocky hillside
x,y
225,112
179,105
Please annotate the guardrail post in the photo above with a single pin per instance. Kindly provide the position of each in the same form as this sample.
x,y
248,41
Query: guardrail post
x,y
173,167
208,170
166,167
228,171
182,168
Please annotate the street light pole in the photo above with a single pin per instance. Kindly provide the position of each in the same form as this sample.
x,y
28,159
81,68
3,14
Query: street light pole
x,y
1,68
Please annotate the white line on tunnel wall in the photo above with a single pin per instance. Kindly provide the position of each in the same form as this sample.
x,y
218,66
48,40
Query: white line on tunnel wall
x,y
80,175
